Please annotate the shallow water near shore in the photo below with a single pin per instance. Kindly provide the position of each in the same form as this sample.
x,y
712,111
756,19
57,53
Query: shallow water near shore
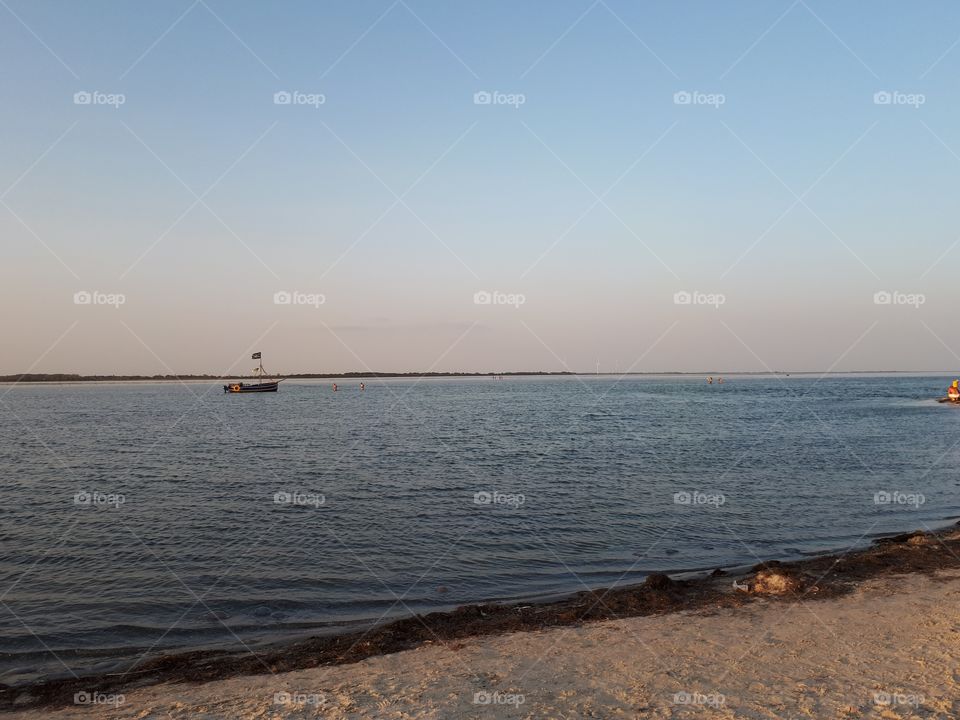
x,y
143,518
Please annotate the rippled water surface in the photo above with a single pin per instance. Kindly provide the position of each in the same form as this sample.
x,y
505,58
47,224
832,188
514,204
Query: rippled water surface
x,y
145,517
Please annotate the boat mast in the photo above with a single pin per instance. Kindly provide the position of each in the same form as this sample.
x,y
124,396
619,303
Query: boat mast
x,y
259,368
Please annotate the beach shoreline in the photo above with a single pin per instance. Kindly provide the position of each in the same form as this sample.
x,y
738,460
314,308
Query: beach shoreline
x,y
823,577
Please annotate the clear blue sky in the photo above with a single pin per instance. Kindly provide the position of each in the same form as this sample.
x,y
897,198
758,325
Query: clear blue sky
x,y
301,197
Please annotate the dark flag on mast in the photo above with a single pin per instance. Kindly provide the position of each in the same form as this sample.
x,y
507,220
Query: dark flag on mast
x,y
255,356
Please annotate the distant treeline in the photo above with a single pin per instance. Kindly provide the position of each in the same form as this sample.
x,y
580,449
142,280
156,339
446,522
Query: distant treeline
x,y
70,377
67,377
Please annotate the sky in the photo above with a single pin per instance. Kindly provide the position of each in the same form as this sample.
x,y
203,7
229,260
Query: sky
x,y
418,185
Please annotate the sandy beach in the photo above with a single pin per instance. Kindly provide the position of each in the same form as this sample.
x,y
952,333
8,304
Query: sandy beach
x,y
886,647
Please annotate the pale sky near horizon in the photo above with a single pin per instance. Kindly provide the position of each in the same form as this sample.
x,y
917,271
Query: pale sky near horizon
x,y
785,161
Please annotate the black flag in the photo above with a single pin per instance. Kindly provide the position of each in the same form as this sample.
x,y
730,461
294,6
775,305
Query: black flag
x,y
255,356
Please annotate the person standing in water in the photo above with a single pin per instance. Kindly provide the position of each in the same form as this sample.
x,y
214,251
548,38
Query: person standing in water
x,y
362,386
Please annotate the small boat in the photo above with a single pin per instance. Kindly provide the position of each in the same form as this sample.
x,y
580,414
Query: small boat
x,y
258,387
953,394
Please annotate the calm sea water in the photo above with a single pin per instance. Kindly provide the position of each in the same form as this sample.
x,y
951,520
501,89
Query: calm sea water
x,y
142,518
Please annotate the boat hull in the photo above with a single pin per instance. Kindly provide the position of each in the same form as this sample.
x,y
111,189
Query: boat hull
x,y
238,388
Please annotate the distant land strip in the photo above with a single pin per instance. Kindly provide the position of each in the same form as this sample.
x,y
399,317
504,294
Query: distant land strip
x,y
73,377
68,377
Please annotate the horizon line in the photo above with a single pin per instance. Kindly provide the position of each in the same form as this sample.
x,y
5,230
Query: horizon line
x,y
77,377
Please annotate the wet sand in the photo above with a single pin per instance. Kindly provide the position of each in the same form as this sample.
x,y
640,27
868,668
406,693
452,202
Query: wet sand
x,y
873,633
